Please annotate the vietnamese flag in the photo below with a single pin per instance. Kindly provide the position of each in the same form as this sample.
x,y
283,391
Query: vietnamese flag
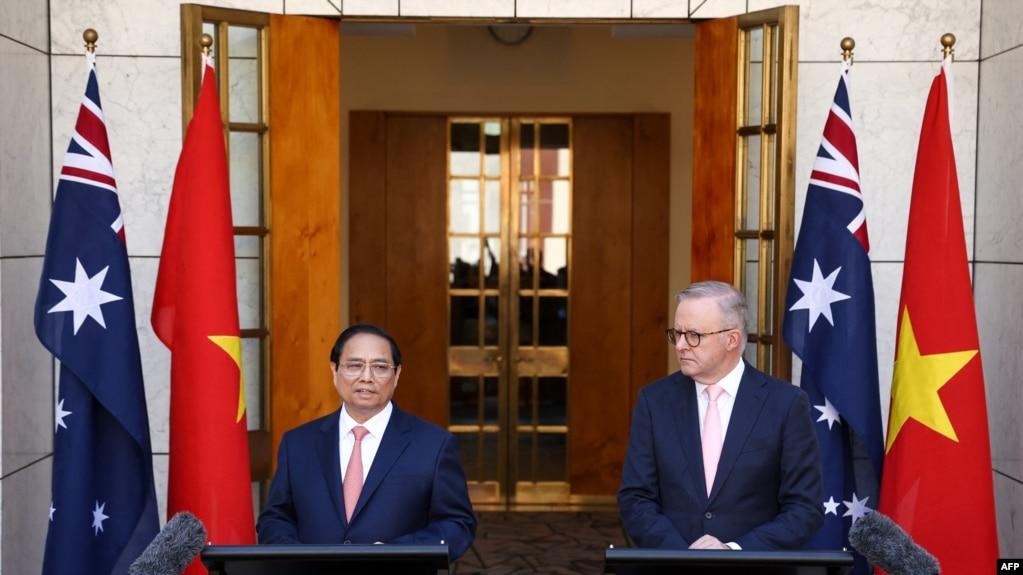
x,y
195,314
937,481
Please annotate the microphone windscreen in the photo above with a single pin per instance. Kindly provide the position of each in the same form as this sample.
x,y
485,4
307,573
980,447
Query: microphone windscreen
x,y
173,548
886,545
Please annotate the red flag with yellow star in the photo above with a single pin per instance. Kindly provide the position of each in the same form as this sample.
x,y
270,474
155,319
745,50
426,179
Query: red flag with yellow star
x,y
195,314
937,480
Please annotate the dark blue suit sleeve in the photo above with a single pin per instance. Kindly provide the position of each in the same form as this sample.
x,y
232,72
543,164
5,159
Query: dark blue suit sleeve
x,y
277,523
801,488
451,517
639,497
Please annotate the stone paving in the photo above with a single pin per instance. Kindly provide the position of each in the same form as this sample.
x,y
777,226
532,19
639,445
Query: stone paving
x,y
549,542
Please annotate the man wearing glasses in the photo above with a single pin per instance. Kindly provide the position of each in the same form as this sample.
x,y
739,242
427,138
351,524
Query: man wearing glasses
x,y
721,455
368,472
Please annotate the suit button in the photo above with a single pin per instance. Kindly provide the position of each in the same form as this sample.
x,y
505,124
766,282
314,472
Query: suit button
x,y
709,515
348,541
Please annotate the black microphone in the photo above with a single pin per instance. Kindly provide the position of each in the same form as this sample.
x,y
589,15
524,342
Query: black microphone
x,y
886,545
173,548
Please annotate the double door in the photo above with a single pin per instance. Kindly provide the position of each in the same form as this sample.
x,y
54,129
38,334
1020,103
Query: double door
x,y
509,229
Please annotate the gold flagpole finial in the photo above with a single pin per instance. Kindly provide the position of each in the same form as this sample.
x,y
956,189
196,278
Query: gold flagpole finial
x,y
90,36
206,41
948,40
848,44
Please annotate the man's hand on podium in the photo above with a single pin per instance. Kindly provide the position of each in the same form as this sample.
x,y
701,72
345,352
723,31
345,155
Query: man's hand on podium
x,y
708,542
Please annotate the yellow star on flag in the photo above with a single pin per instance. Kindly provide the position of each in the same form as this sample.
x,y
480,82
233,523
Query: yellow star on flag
x,y
232,345
917,381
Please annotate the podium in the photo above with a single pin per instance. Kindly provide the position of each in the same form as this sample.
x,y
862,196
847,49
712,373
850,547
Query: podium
x,y
715,562
325,559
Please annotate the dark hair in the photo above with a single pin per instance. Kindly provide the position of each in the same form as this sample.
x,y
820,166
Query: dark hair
x,y
354,330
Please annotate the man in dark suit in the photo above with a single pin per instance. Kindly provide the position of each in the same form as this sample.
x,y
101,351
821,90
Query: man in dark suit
x,y
720,456
368,472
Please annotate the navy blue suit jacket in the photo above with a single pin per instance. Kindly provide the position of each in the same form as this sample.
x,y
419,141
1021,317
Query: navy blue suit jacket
x,y
767,491
415,491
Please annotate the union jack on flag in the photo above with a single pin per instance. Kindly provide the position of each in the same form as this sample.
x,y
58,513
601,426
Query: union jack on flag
x,y
829,324
103,508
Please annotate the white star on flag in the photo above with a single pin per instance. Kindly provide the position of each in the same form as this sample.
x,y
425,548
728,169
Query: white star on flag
x,y
58,420
84,296
831,506
52,510
828,413
857,508
818,295
98,518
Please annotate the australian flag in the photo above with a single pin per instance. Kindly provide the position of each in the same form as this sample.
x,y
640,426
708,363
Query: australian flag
x,y
103,508
829,324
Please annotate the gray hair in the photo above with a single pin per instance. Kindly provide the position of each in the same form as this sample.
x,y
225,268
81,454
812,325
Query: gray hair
x,y
730,300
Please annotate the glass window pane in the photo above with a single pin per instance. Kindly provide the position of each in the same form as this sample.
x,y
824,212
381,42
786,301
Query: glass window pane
x,y
252,376
248,284
526,143
492,207
469,455
750,354
525,396
772,110
491,315
464,257
491,263
768,360
554,320
465,313
525,472
554,150
551,457
767,174
755,74
769,270
242,42
464,206
465,149
490,397
751,285
561,216
464,400
553,400
247,246
489,472
245,178
526,263
527,206
492,141
243,89
525,320
554,264
752,215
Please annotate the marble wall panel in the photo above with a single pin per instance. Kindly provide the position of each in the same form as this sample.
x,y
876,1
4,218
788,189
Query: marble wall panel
x,y
1001,26
142,105
24,149
1000,159
26,497
155,355
460,8
569,9
26,22
1008,479
325,7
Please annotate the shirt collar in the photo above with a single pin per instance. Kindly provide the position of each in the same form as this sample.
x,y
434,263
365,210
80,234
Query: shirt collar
x,y
375,425
730,382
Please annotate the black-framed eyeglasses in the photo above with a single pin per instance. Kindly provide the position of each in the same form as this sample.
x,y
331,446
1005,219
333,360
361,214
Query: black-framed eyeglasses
x,y
355,369
693,338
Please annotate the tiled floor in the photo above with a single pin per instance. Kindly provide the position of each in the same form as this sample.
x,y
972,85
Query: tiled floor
x,y
553,543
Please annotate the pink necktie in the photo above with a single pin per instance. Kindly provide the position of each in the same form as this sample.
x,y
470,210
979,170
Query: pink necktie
x,y
353,475
712,436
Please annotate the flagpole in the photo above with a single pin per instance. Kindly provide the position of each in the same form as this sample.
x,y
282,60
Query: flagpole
x,y
948,40
847,44
90,36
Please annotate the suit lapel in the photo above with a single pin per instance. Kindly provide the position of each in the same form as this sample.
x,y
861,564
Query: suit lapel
x,y
748,403
329,454
686,416
396,439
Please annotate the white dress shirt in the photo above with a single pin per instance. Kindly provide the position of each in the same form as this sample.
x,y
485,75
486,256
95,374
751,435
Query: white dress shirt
x,y
370,443
726,401
730,383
